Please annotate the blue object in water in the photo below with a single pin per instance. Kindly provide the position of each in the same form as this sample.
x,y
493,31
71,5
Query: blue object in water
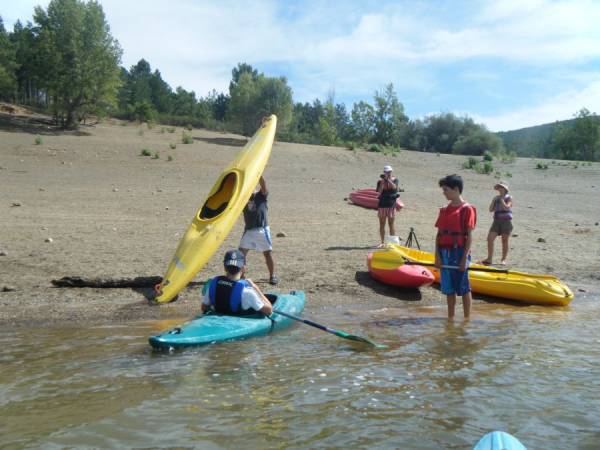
x,y
499,440
209,328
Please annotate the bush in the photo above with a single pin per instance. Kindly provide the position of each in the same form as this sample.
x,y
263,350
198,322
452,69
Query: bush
x,y
487,167
171,129
38,140
143,111
170,158
487,156
471,163
172,146
375,148
156,155
186,138
145,152
189,127
541,166
391,150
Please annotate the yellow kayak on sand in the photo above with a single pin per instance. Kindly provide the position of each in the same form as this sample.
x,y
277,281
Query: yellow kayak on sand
x,y
525,287
216,216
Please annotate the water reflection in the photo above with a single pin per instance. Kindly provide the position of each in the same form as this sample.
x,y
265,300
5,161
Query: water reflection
x,y
439,384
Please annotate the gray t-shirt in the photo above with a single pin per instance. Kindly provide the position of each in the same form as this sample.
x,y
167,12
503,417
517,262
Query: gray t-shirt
x,y
255,212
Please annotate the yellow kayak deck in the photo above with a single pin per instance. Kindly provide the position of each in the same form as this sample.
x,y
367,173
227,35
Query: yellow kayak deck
x,y
538,289
217,215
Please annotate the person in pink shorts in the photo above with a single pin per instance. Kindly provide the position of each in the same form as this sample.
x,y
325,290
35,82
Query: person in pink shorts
x,y
387,186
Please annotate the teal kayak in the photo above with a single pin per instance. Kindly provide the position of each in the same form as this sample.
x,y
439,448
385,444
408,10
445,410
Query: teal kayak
x,y
499,440
210,328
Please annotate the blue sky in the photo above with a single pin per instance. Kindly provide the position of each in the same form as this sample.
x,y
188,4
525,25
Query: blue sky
x,y
508,64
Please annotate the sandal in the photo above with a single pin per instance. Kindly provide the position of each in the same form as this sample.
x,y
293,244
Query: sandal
x,y
484,262
273,280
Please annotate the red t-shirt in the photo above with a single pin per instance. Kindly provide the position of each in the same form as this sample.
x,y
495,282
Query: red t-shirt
x,y
449,221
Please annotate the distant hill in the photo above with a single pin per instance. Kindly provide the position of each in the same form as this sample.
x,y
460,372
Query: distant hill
x,y
530,141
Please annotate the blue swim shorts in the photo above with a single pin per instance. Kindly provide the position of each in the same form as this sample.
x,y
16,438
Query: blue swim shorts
x,y
454,281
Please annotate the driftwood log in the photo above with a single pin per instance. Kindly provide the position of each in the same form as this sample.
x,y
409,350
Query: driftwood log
x,y
79,282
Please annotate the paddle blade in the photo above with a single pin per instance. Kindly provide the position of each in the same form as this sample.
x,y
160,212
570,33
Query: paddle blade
x,y
352,337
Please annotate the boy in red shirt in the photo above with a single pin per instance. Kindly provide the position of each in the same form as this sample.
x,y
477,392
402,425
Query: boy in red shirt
x,y
455,223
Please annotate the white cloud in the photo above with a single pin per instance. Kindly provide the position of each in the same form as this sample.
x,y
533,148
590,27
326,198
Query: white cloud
x,y
357,47
560,107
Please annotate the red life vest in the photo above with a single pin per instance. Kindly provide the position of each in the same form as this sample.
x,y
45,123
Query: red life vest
x,y
452,229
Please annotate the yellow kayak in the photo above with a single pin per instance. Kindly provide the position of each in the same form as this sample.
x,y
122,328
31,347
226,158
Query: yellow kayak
x,y
216,216
525,287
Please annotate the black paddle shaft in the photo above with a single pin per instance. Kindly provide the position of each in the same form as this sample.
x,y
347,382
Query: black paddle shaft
x,y
478,269
306,321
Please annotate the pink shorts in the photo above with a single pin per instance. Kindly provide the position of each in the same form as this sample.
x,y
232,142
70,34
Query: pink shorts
x,y
382,213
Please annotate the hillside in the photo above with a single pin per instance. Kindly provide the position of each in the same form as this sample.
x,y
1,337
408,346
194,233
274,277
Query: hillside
x,y
530,141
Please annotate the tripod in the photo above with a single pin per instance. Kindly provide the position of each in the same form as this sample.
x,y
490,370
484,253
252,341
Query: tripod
x,y
409,240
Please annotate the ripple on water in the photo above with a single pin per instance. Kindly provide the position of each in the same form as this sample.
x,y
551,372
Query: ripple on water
x,y
532,371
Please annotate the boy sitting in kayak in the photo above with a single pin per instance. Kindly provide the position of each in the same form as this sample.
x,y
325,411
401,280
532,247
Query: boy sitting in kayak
x,y
455,223
230,294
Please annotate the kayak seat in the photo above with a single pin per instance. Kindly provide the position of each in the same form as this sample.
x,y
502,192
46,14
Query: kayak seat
x,y
209,213
272,298
217,203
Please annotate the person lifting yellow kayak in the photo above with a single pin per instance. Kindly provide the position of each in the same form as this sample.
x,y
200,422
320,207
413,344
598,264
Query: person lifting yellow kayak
x,y
215,218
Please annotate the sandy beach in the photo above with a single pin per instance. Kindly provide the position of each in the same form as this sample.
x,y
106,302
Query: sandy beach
x,y
87,204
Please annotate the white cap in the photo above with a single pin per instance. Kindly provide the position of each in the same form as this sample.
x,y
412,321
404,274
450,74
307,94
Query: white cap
x,y
387,168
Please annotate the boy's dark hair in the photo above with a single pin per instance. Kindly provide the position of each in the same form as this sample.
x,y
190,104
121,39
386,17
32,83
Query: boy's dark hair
x,y
452,181
233,270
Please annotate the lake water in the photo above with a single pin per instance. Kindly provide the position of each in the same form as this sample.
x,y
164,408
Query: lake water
x,y
531,371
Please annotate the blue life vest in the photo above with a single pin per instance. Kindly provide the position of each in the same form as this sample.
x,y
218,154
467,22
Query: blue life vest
x,y
225,296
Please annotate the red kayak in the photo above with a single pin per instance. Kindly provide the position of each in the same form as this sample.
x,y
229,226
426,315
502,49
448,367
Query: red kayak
x,y
404,275
369,198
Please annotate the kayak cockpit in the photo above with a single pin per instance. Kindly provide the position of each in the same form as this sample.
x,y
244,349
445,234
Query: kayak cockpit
x,y
217,203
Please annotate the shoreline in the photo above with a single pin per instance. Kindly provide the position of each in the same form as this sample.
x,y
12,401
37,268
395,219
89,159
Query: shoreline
x,y
87,204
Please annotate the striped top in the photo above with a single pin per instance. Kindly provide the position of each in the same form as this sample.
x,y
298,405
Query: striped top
x,y
503,214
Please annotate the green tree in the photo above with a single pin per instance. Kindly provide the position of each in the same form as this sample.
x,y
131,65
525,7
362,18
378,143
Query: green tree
x,y
218,103
237,72
31,75
328,134
8,65
414,137
389,119
442,131
477,141
184,102
160,93
363,122
140,76
578,139
253,97
80,57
